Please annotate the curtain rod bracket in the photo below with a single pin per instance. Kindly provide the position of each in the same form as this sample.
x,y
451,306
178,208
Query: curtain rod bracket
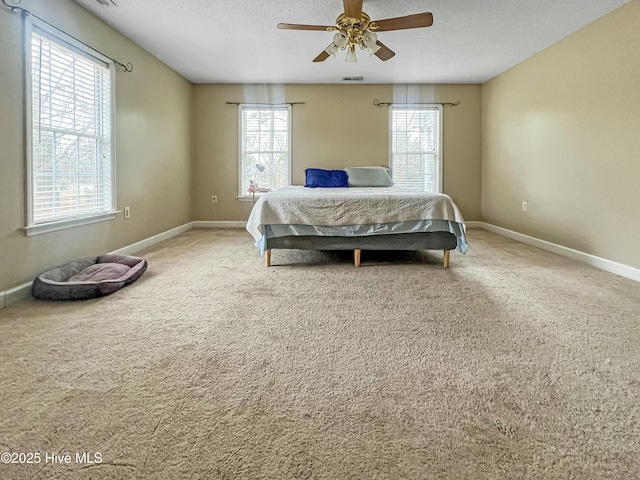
x,y
13,6
125,68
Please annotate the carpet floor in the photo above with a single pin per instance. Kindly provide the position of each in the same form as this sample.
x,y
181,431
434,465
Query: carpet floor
x,y
512,364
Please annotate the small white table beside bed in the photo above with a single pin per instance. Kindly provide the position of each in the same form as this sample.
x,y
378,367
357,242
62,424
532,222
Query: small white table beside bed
x,y
356,218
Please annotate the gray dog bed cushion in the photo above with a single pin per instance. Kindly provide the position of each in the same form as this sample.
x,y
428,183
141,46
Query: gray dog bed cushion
x,y
88,277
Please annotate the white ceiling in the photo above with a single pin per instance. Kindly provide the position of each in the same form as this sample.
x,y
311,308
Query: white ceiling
x,y
236,41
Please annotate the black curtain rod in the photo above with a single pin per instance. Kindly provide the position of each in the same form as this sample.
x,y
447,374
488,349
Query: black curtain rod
x,y
16,9
378,103
258,103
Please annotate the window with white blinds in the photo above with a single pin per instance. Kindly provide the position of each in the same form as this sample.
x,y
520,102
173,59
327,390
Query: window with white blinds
x,y
265,148
70,164
416,153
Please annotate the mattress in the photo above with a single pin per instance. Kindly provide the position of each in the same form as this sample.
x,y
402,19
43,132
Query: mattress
x,y
363,211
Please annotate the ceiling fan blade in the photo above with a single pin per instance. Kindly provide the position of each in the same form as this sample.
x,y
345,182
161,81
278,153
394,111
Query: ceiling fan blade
x,y
410,21
385,53
295,26
353,8
322,57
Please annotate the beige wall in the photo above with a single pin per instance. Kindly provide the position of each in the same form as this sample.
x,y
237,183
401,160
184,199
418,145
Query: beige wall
x,y
337,126
558,131
562,131
153,148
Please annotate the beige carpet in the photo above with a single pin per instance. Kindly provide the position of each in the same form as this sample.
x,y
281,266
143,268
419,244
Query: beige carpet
x,y
513,364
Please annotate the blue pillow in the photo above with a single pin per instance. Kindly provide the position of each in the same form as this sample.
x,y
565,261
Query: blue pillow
x,y
319,178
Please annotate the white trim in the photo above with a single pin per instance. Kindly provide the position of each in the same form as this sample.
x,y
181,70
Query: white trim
x,y
440,148
63,224
112,132
28,117
241,106
249,198
63,40
148,242
439,136
598,262
219,224
240,156
16,294
290,144
473,224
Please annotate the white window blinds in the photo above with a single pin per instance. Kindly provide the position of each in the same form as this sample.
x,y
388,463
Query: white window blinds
x,y
415,147
265,147
71,158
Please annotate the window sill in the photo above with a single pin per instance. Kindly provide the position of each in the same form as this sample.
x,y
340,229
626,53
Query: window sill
x,y
71,223
250,198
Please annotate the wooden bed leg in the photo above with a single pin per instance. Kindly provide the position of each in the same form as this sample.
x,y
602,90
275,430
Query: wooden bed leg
x,y
446,258
267,257
356,257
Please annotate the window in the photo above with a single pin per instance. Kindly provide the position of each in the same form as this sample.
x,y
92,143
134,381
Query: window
x,y
265,148
416,154
70,159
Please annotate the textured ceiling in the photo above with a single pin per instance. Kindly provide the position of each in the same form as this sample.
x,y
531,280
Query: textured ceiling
x,y
236,41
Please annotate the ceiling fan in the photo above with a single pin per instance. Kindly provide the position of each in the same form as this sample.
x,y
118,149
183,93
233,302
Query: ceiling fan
x,y
354,29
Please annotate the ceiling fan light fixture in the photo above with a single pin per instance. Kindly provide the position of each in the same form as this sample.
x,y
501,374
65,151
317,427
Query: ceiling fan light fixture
x,y
351,55
369,40
355,28
340,40
332,49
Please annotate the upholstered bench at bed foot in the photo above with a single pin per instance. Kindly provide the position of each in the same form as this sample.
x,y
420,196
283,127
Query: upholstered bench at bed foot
x,y
88,277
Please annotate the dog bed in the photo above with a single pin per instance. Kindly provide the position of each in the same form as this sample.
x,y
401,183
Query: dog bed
x,y
88,277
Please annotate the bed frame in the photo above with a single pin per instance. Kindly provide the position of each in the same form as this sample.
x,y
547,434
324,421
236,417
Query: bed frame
x,y
444,241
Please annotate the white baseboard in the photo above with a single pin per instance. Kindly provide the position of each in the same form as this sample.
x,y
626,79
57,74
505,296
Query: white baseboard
x,y
16,294
598,262
221,224
473,224
147,242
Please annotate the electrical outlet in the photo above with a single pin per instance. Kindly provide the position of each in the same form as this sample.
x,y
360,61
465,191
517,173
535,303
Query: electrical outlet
x,y
214,199
525,207
127,212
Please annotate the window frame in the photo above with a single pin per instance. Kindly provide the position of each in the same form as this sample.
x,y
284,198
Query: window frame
x,y
439,137
242,193
33,25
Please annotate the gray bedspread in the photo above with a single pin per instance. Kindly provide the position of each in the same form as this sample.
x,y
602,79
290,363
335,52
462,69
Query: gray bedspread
x,y
353,211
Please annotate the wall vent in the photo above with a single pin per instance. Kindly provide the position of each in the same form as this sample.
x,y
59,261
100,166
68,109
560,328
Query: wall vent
x,y
352,79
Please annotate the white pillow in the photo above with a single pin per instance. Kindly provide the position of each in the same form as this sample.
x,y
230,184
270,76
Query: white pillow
x,y
369,177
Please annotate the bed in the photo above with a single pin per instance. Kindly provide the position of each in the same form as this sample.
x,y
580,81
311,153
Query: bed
x,y
361,218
